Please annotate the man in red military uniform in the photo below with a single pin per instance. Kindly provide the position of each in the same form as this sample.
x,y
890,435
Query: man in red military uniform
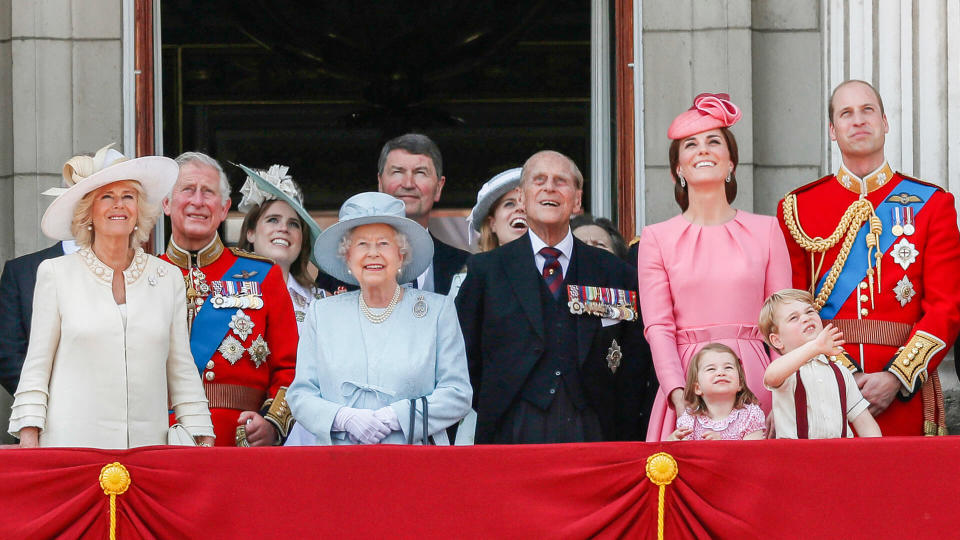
x,y
243,331
881,253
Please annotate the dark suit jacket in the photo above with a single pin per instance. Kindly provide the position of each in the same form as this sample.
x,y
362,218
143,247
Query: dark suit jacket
x,y
502,321
447,262
16,308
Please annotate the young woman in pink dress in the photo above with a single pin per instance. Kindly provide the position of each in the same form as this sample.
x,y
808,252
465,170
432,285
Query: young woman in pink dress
x,y
704,274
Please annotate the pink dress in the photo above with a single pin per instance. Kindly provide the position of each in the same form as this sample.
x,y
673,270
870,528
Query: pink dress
x,y
700,285
738,423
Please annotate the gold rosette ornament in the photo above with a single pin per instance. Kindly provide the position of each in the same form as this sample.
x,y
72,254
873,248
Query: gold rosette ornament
x,y
115,480
661,470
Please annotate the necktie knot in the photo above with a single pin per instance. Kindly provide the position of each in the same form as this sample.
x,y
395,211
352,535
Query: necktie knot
x,y
552,271
551,253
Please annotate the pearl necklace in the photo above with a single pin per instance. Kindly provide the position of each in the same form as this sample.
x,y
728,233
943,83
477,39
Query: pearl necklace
x,y
379,318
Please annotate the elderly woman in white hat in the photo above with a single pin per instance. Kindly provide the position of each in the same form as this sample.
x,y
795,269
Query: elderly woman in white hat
x,y
278,227
498,216
364,355
108,344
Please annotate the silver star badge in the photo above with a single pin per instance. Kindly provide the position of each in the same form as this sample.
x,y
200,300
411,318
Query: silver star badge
x,y
241,324
231,349
614,355
259,351
904,291
904,253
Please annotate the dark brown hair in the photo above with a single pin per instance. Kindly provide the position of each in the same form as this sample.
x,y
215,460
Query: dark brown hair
x,y
697,405
298,268
681,194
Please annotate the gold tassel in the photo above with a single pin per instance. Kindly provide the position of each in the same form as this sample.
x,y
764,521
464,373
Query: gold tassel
x,y
114,479
661,470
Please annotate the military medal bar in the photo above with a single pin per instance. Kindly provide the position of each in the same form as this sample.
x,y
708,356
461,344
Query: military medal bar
x,y
603,302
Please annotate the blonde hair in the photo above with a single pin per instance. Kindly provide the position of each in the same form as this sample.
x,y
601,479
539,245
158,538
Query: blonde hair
x,y
744,395
83,216
768,325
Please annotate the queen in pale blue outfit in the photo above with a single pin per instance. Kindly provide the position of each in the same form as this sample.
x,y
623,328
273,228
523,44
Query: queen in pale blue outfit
x,y
364,355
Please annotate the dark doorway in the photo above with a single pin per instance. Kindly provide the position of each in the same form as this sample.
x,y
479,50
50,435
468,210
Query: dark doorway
x,y
320,86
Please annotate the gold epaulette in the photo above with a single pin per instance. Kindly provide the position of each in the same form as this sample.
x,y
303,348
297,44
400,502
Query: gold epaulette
x,y
279,414
910,363
249,255
634,241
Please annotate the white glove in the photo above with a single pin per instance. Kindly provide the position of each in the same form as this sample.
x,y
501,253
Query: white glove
x,y
361,425
389,417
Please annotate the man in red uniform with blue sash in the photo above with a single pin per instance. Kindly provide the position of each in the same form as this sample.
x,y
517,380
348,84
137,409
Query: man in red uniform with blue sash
x,y
243,331
880,251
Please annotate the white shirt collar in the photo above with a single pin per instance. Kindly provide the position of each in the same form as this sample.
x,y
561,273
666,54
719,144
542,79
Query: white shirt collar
x,y
565,246
69,246
822,358
295,286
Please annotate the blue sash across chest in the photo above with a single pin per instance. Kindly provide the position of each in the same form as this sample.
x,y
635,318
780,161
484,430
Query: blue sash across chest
x,y
211,323
855,269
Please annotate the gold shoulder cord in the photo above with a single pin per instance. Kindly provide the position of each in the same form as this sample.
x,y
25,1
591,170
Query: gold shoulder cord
x,y
859,211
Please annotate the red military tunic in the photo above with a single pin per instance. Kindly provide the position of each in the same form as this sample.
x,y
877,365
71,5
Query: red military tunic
x,y
237,382
907,323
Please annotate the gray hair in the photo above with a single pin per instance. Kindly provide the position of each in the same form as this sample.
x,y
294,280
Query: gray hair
x,y
574,170
199,158
403,243
414,143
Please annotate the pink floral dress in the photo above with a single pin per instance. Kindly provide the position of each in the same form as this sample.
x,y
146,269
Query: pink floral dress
x,y
738,423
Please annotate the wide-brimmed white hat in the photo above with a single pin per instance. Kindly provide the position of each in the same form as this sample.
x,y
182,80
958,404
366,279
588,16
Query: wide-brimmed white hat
x,y
84,174
364,209
274,184
491,191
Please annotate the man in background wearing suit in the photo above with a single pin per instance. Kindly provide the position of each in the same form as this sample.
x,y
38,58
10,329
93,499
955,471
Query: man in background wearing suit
x,y
16,308
411,169
553,333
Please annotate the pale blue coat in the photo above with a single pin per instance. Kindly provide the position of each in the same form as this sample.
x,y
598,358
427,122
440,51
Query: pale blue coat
x,y
345,360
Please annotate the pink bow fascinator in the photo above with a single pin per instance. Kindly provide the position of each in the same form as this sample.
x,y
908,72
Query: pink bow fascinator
x,y
709,111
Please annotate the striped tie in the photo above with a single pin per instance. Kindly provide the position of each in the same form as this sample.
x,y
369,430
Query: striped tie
x,y
552,271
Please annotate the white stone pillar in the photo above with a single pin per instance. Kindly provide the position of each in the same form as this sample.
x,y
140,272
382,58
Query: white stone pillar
x,y
61,94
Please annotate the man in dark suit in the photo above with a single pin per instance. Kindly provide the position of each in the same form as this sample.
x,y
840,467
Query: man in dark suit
x,y
411,169
16,308
541,373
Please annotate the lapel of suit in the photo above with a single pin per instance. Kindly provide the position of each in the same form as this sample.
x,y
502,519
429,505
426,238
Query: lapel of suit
x,y
586,272
521,273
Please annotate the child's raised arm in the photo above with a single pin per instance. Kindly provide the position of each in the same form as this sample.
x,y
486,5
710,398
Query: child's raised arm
x,y
828,341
